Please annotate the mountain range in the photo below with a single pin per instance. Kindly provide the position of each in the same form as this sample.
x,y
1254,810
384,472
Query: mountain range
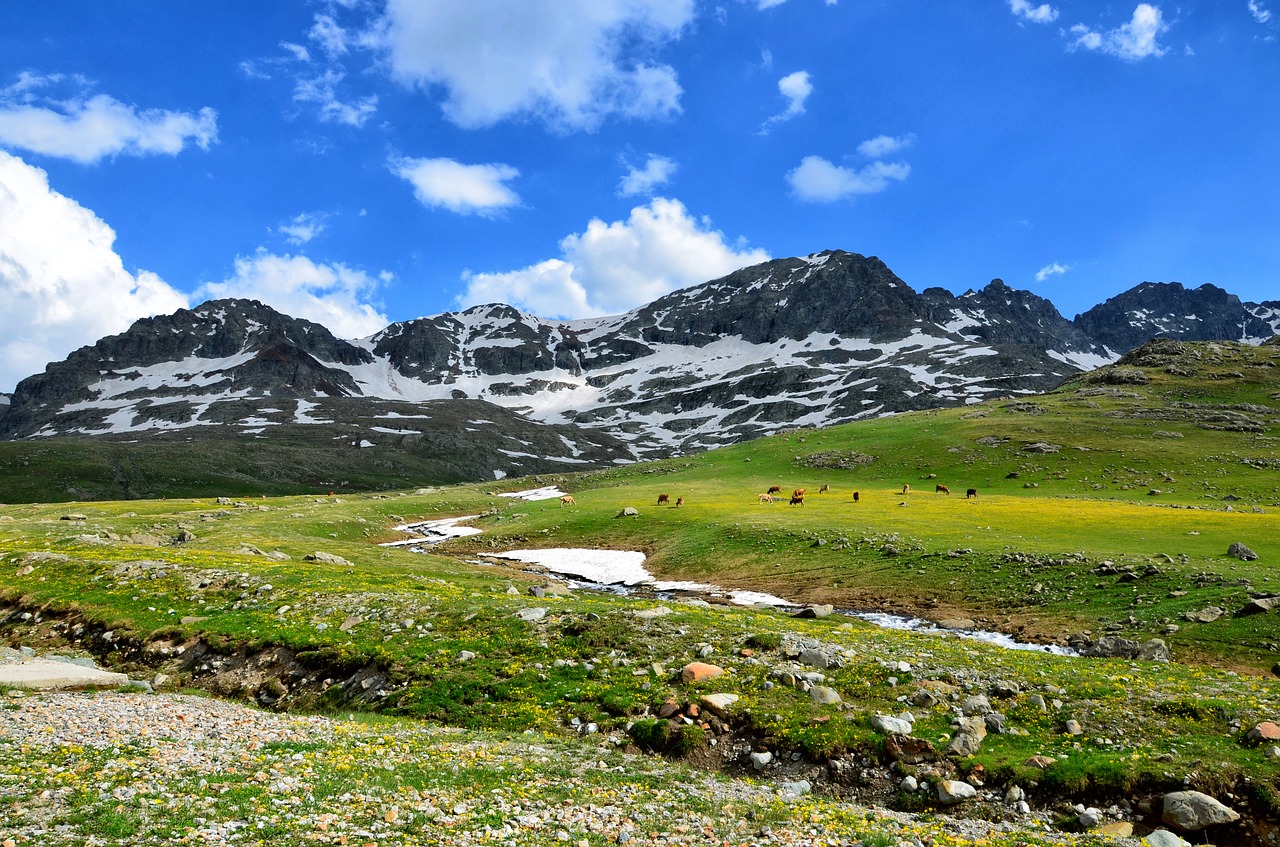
x,y
809,341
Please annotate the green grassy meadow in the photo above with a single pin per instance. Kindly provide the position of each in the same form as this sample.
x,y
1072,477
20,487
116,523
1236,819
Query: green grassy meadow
x,y
1122,530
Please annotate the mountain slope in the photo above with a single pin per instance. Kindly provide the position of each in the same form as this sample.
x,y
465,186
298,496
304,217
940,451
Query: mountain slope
x,y
828,338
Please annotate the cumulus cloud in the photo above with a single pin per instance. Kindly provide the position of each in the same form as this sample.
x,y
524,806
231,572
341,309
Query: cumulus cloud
x,y
571,63
1138,39
796,88
1047,271
62,284
333,295
819,180
657,171
613,267
303,228
1260,12
885,145
89,129
1042,14
465,189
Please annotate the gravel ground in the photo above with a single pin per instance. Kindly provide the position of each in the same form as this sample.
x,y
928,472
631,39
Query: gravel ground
x,y
139,769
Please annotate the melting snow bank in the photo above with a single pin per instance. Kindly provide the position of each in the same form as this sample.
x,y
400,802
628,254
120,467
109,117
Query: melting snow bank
x,y
433,532
550,492
621,571
611,568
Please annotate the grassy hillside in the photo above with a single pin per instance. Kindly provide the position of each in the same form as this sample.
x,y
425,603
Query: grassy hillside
x,y
1076,541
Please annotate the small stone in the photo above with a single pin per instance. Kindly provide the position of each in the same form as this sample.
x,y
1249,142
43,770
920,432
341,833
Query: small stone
x,y
825,696
532,613
891,726
466,656
1164,838
1089,818
909,783
1073,727
699,671
953,791
718,704
760,760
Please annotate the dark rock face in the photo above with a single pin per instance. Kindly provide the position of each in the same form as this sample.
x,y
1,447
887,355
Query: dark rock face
x,y
1168,310
227,346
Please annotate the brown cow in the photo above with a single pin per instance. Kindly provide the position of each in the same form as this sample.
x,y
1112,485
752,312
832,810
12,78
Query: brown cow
x,y
775,489
799,492
567,500
679,502
906,488
824,489
664,498
972,492
797,500
941,489
856,496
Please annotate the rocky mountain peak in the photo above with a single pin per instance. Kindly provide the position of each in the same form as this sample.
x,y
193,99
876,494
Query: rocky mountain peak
x,y
1170,310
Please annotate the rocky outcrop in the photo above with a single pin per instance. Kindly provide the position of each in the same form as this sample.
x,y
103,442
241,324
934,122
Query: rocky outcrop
x,y
1168,310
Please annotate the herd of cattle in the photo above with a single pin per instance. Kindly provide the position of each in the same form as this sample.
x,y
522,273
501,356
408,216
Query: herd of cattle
x,y
797,496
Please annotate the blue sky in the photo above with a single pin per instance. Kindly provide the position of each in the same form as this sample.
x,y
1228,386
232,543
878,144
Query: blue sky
x,y
358,162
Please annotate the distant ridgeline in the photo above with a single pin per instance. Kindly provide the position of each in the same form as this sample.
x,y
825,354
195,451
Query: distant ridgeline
x,y
823,339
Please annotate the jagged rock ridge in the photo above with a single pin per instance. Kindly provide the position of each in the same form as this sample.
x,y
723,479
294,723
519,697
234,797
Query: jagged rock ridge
x,y
817,340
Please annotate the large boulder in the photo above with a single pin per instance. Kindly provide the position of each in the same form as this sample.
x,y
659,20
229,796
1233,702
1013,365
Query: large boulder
x,y
1191,810
953,791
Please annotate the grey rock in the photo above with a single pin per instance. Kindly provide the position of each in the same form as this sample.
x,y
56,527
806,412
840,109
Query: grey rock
x,y
909,783
890,725
718,704
1165,838
532,613
825,696
795,788
815,658
1208,614
628,512
1191,810
1155,650
1242,552
466,656
952,792
816,611
760,760
326,558
976,704
1073,727
1089,818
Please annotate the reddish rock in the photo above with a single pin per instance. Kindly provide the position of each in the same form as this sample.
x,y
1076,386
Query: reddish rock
x,y
1265,731
910,750
668,708
1041,762
699,671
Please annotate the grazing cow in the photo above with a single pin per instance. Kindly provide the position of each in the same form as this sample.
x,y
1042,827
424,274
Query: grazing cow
x,y
664,498
824,489
775,489
765,498
799,492
679,502
856,496
906,488
972,492
941,489
797,500
567,500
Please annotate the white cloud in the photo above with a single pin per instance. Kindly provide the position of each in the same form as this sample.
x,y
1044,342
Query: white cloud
x,y
613,267
61,282
885,145
303,228
89,130
796,87
1132,41
657,171
1047,271
465,189
1042,14
1260,13
769,4
331,37
572,63
820,181
322,91
333,295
